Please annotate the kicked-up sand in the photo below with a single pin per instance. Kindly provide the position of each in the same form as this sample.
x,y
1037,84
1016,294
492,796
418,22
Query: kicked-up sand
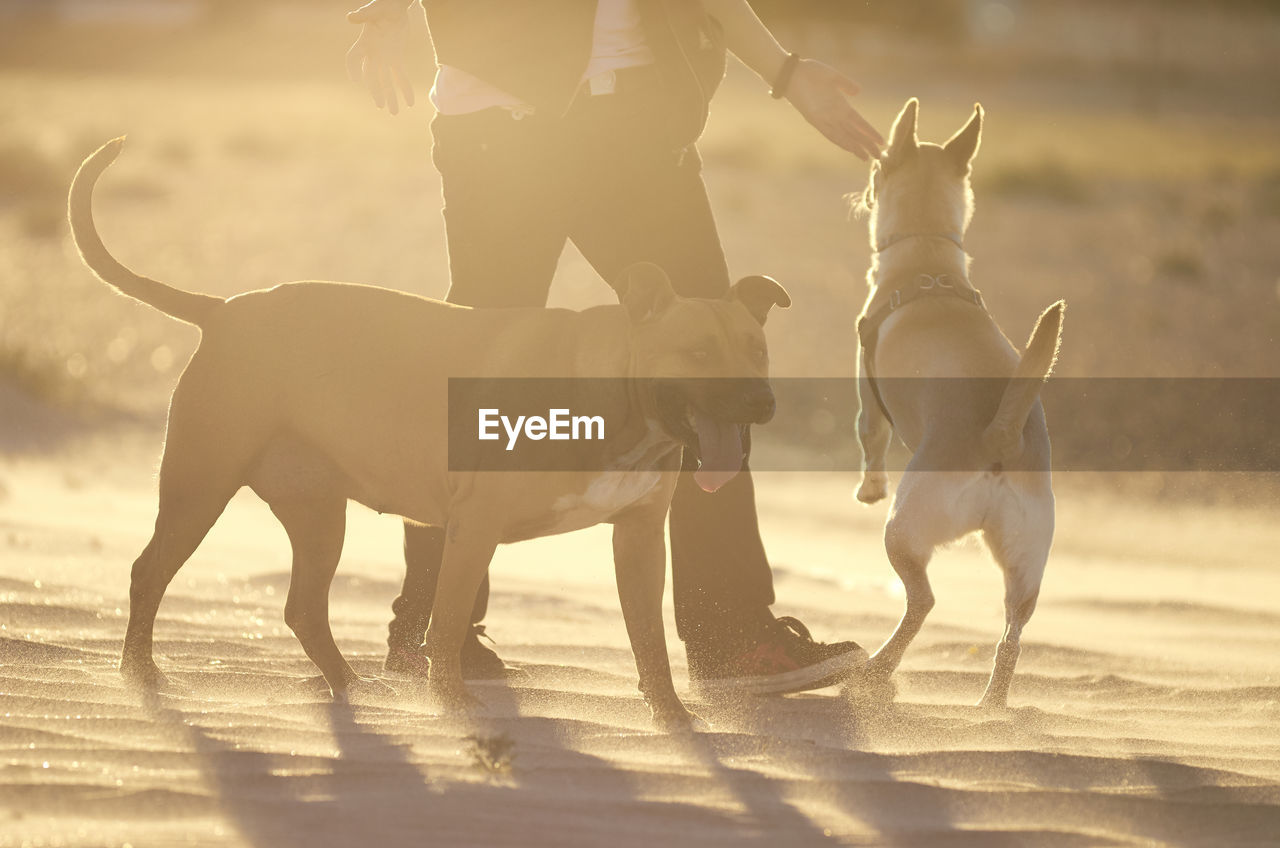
x,y
1145,710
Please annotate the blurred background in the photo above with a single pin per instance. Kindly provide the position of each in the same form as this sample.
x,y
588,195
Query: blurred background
x,y
1130,164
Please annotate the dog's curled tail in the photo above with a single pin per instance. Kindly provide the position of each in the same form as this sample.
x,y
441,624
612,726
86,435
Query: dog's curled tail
x,y
185,306
1002,438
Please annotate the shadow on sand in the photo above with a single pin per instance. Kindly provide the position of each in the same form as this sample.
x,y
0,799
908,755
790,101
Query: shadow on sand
x,y
372,792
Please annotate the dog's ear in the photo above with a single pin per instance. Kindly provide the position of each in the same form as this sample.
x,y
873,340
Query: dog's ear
x,y
645,290
759,294
902,138
962,146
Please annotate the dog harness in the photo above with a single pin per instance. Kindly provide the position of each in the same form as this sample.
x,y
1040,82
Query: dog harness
x,y
922,285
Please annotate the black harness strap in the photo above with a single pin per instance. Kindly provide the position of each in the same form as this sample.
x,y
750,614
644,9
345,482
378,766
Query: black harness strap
x,y
922,285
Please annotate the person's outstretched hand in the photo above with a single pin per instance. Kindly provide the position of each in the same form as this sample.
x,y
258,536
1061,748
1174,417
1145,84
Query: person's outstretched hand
x,y
821,93
378,55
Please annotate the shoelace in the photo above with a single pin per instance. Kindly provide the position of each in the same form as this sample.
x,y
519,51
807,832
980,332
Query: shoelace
x,y
796,628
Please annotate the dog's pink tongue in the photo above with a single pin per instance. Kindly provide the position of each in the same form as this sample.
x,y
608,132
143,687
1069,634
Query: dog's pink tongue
x,y
721,446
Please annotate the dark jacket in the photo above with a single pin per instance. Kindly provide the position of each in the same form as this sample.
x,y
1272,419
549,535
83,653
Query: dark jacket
x,y
538,50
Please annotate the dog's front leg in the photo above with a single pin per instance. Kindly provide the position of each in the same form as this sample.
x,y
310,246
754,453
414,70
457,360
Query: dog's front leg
x,y
640,562
469,545
874,434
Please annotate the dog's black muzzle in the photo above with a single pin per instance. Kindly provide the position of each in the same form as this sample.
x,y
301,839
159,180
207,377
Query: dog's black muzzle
x,y
747,400
739,400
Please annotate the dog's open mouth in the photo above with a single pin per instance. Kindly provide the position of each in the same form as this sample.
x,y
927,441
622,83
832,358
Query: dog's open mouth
x,y
720,452
716,442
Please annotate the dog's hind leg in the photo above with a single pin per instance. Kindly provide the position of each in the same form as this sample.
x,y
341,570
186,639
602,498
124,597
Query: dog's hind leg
x,y
196,481
1018,606
316,525
1019,542
910,560
925,515
874,434
183,520
208,447
910,535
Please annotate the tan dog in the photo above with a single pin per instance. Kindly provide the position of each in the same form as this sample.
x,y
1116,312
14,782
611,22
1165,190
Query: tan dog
x,y
973,422
316,393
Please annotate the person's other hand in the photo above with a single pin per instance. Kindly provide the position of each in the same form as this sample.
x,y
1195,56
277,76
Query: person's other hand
x,y
821,94
377,57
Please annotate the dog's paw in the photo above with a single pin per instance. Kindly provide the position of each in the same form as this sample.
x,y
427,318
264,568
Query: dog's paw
x,y
147,677
368,689
874,488
869,688
676,718
314,686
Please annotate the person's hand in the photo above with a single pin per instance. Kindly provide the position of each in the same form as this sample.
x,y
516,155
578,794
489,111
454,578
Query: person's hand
x,y
821,93
378,55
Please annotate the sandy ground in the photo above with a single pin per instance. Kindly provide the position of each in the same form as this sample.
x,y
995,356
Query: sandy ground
x,y
1146,709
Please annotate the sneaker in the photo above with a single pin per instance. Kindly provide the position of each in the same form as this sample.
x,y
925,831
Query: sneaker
x,y
784,659
478,662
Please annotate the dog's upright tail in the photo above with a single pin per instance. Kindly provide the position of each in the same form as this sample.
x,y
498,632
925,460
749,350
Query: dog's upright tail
x,y
1002,438
185,306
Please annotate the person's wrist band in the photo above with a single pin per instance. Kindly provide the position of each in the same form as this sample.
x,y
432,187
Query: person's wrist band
x,y
784,76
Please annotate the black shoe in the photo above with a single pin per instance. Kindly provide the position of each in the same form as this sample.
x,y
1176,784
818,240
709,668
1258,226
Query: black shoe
x,y
478,662
782,658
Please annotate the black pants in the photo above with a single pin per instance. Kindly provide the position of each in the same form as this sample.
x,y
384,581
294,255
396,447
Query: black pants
x,y
604,177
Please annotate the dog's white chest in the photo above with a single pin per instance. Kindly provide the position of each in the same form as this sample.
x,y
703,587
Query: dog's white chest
x,y
607,493
613,490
